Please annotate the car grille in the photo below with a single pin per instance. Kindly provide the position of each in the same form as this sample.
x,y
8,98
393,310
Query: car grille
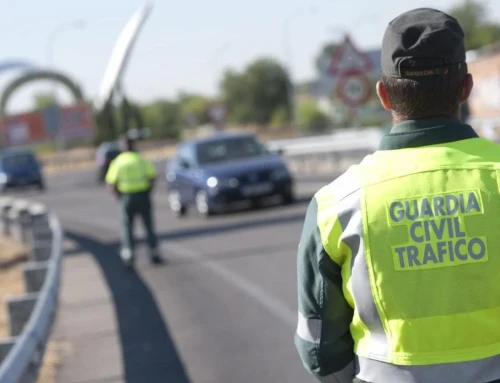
x,y
255,177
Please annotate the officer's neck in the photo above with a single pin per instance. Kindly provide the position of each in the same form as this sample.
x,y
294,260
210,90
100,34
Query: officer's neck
x,y
399,119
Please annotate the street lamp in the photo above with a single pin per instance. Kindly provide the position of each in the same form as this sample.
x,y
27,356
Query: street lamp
x,y
289,59
51,39
224,48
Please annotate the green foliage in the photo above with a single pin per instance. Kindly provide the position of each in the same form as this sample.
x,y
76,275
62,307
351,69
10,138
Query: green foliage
x,y
479,30
280,118
311,118
43,101
196,105
325,54
255,94
163,118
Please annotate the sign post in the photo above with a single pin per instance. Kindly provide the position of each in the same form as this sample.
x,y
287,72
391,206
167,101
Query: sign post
x,y
218,114
350,66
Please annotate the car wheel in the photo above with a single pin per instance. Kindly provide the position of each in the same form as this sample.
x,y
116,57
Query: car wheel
x,y
41,185
175,204
202,205
288,198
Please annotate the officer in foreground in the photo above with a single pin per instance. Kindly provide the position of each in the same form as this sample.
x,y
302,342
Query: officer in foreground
x,y
131,178
399,259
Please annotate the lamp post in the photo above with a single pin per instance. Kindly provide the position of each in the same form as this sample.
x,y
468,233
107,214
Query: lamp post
x,y
224,48
287,46
49,52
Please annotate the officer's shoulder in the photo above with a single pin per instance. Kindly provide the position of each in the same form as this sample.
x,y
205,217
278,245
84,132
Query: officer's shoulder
x,y
341,187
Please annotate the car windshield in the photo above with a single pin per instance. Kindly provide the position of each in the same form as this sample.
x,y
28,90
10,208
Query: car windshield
x,y
229,149
18,160
112,153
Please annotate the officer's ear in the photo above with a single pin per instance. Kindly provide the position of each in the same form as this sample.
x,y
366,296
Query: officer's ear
x,y
383,96
467,88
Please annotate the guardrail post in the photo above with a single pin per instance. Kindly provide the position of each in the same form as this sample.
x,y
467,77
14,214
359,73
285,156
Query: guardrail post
x,y
5,347
41,234
19,220
34,276
20,309
5,206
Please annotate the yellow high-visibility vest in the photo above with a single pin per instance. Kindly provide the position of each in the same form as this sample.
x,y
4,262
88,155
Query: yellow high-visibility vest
x,y
131,173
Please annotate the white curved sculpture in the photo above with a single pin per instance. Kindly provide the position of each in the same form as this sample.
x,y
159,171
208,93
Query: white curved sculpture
x,y
120,55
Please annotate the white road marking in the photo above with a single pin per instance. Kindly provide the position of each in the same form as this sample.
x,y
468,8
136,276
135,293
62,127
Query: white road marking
x,y
262,297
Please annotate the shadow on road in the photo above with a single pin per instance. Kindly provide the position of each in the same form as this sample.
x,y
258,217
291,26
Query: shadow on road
x,y
149,353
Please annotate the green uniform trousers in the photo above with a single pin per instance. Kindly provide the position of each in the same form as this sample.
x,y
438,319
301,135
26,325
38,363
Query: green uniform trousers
x,y
132,205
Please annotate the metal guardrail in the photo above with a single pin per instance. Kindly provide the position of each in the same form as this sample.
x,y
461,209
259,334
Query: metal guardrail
x,y
329,153
32,314
343,141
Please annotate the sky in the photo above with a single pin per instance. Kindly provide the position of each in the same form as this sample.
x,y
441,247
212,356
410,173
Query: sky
x,y
186,45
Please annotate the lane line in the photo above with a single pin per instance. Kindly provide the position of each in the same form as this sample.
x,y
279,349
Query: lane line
x,y
273,305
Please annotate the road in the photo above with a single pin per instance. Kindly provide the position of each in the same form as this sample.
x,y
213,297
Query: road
x,y
222,310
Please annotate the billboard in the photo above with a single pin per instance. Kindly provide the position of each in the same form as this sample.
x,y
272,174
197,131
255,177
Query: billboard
x,y
68,122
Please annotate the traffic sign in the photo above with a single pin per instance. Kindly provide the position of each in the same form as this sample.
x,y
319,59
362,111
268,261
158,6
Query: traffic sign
x,y
218,112
354,88
347,58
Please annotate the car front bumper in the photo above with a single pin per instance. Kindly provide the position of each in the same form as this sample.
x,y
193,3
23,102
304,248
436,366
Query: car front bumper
x,y
226,196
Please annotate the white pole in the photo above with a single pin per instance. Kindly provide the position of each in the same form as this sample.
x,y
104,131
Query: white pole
x,y
49,52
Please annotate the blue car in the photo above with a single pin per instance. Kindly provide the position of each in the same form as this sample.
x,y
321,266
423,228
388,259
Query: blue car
x,y
212,173
20,168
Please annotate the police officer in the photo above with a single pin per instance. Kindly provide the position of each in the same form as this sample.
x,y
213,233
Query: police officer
x,y
399,258
131,179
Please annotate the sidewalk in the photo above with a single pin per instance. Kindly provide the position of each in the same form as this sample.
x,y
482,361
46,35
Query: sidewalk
x,y
86,320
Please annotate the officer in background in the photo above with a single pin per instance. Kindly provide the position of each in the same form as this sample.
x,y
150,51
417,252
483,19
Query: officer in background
x,y
131,178
399,258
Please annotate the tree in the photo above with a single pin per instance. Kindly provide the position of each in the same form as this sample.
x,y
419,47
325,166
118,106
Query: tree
x,y
163,117
255,94
325,54
43,101
279,118
311,118
195,105
479,30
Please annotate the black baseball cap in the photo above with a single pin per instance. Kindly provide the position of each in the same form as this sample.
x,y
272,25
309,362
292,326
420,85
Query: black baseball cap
x,y
422,43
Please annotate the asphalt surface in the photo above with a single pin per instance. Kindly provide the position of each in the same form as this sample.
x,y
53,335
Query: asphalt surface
x,y
224,307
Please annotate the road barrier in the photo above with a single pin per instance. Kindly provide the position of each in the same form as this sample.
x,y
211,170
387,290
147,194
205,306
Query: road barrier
x,y
328,153
31,315
305,154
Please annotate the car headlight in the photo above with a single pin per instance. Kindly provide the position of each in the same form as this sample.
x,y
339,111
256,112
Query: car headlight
x,y
213,182
3,178
279,174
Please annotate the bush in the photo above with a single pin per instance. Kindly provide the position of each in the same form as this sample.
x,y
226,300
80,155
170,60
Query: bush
x,y
311,118
280,118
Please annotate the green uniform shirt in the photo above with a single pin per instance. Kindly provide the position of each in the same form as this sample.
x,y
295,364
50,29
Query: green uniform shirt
x,y
131,173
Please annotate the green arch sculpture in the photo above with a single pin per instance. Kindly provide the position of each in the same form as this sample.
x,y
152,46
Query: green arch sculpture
x,y
36,75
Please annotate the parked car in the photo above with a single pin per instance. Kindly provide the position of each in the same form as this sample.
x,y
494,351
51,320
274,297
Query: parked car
x,y
20,168
105,153
210,174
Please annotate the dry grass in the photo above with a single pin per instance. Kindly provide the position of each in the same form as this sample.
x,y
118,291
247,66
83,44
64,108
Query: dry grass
x,y
12,257
54,353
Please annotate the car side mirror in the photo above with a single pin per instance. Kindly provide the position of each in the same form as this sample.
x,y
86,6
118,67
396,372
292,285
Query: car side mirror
x,y
183,164
278,152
